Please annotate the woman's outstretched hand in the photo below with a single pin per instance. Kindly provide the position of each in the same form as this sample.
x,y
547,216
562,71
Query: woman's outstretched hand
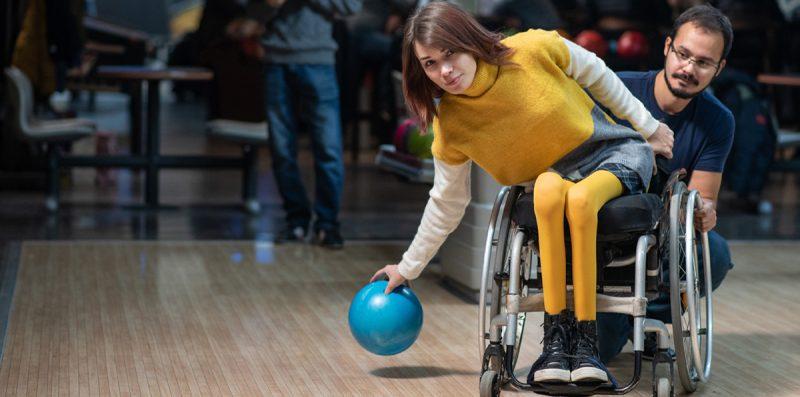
x,y
395,278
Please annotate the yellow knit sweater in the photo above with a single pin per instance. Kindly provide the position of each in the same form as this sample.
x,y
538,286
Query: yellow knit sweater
x,y
516,121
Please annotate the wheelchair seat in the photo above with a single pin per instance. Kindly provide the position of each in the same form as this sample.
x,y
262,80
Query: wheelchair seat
x,y
620,219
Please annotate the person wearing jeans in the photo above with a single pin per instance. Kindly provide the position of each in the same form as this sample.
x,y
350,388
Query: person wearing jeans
x,y
302,93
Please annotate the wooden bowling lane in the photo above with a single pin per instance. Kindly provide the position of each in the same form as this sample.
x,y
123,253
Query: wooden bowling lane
x,y
214,318
245,319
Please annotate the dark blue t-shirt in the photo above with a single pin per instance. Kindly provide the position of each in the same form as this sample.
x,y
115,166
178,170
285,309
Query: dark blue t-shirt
x,y
703,130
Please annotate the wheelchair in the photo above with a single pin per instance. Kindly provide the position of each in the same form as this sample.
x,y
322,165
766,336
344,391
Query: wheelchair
x,y
647,245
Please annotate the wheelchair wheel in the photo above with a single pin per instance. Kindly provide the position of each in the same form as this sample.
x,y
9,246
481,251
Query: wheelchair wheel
x,y
497,258
690,300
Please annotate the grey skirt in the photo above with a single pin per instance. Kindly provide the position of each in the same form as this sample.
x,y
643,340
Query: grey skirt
x,y
614,148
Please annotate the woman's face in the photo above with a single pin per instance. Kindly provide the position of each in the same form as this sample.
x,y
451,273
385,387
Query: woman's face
x,y
451,71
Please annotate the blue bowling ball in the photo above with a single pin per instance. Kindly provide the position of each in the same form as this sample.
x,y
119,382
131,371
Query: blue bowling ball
x,y
385,324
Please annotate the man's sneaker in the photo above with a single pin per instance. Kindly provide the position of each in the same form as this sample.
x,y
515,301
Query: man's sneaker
x,y
553,364
330,238
585,363
291,234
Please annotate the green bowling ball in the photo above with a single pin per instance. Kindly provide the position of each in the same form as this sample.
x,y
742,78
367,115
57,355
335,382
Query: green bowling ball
x,y
419,144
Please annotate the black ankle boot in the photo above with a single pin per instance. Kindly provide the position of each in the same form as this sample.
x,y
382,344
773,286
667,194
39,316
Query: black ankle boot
x,y
553,364
585,363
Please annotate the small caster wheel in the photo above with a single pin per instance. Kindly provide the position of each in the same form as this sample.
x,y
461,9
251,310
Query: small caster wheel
x,y
490,384
493,359
252,206
664,388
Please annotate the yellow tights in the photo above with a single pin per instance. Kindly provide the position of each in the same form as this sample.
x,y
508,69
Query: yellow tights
x,y
555,197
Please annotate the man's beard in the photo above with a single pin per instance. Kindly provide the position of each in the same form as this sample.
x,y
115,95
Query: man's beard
x,y
682,94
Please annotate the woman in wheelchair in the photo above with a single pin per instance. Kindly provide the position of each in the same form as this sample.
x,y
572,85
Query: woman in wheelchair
x,y
517,107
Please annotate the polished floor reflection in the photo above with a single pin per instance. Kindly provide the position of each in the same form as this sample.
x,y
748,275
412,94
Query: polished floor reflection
x,y
376,207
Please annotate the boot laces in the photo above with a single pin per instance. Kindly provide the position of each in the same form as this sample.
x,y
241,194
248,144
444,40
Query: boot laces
x,y
554,338
586,347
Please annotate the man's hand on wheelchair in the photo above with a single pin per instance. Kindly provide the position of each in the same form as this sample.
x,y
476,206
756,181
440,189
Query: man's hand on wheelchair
x,y
395,278
662,140
706,217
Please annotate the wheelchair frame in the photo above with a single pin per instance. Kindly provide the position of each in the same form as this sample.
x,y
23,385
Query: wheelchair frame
x,y
508,258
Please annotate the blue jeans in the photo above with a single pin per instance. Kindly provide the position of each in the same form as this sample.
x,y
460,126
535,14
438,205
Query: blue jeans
x,y
614,329
306,96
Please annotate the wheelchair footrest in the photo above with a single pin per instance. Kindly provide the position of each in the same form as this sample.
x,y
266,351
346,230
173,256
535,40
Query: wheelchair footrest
x,y
572,389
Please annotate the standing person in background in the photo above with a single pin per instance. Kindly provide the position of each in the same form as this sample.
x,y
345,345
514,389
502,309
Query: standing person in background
x,y
302,92
373,45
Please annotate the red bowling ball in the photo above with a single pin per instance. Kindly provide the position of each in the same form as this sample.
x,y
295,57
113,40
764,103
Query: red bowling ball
x,y
632,45
592,41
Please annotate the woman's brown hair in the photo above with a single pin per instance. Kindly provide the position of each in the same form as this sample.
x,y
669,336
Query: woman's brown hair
x,y
447,26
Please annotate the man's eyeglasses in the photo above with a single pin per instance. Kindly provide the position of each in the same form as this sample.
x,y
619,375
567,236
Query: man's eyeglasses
x,y
701,64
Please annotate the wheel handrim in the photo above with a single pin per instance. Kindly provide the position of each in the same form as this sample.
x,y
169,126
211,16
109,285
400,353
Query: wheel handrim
x,y
698,328
489,264
692,327
677,273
